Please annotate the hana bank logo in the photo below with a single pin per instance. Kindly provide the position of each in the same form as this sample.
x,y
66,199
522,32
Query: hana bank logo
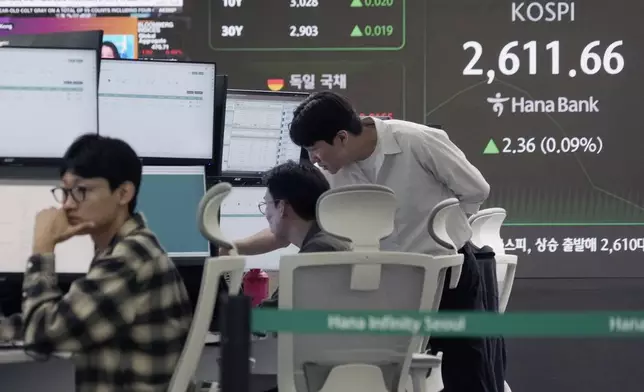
x,y
521,105
498,103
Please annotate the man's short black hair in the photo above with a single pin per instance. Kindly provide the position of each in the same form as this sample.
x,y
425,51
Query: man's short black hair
x,y
94,156
321,116
298,184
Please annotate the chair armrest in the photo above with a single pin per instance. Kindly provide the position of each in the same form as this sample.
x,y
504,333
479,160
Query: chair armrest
x,y
421,363
424,361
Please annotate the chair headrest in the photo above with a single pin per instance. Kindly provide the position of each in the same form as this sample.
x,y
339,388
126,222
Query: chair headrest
x,y
363,214
448,225
486,225
487,212
208,214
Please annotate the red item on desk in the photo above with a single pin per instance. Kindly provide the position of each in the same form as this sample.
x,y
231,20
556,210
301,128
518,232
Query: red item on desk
x,y
256,285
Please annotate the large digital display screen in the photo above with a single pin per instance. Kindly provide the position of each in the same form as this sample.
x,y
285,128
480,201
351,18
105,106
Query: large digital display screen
x,y
541,96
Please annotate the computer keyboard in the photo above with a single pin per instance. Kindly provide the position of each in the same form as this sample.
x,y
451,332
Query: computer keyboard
x,y
10,344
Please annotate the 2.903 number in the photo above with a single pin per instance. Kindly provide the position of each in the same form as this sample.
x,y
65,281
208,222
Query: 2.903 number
x,y
303,31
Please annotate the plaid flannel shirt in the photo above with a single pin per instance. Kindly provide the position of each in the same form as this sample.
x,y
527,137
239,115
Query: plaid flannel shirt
x,y
125,322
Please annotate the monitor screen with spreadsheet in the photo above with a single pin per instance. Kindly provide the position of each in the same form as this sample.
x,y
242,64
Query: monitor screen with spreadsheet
x,y
240,218
47,99
164,110
256,132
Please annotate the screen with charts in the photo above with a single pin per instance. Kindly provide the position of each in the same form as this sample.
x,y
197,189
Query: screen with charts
x,y
240,218
168,199
20,201
256,133
47,99
162,109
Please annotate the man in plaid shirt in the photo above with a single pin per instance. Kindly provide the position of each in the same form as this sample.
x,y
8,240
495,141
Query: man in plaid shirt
x,y
127,319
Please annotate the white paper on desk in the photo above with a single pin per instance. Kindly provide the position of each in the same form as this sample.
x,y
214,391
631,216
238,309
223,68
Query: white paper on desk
x,y
240,218
20,201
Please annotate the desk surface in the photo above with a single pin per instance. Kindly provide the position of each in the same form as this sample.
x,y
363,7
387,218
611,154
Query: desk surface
x,y
13,355
18,355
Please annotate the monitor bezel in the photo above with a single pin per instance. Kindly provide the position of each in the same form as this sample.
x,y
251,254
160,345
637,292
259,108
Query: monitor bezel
x,y
214,168
47,161
167,161
267,93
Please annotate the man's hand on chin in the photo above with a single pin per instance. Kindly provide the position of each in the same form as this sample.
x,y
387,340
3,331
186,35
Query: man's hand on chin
x,y
52,227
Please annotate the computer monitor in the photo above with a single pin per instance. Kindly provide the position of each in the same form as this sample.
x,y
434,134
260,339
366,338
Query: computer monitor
x,y
240,218
168,199
91,39
256,135
221,92
48,98
20,201
165,110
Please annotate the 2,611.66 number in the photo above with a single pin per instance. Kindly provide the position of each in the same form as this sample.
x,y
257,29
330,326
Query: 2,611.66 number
x,y
592,59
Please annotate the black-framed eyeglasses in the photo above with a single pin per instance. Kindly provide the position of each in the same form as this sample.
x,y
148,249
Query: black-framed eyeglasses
x,y
78,194
262,205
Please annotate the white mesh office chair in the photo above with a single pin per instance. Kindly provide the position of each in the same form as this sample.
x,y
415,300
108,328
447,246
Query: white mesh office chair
x,y
214,268
363,279
486,230
449,228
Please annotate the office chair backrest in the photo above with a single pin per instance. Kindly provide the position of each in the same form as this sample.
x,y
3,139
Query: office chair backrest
x,y
486,229
323,281
208,215
448,225
449,228
362,213
214,268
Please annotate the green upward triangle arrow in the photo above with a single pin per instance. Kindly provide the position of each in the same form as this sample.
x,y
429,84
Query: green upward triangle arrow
x,y
356,3
491,148
356,32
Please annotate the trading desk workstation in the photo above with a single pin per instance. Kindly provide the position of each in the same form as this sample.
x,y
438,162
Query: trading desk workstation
x,y
231,135
191,133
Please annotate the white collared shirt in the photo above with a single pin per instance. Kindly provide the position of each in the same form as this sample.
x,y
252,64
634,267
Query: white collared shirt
x,y
423,167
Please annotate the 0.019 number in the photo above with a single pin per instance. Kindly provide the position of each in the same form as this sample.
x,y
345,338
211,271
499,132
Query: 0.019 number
x,y
303,31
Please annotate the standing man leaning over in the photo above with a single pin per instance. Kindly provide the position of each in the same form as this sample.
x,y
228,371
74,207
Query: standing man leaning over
x,y
127,319
420,164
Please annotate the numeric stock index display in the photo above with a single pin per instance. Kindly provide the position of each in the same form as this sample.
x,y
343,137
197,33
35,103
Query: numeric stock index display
x,y
307,25
552,95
